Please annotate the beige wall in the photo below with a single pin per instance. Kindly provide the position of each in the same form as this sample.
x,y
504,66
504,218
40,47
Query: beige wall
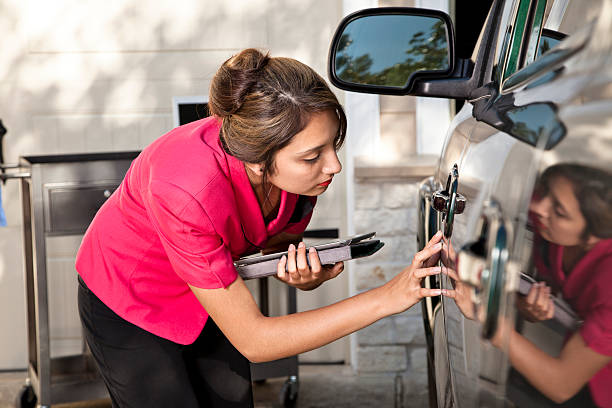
x,y
100,76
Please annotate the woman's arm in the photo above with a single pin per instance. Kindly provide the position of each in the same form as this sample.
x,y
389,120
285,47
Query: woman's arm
x,y
558,378
261,338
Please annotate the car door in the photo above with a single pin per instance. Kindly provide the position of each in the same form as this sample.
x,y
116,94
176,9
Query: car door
x,y
519,126
476,157
568,85
481,190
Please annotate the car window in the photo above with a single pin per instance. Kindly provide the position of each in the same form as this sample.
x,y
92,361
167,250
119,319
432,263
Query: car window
x,y
515,43
518,42
504,38
545,64
535,31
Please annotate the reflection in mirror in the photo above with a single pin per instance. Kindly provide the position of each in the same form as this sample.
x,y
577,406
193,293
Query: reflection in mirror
x,y
561,345
530,122
546,44
386,50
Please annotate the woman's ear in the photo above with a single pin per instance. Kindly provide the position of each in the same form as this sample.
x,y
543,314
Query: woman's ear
x,y
591,241
256,168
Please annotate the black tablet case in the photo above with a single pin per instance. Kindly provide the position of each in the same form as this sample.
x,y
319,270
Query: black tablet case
x,y
358,246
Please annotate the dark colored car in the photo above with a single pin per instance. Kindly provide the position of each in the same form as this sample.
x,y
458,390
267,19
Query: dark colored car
x,y
522,192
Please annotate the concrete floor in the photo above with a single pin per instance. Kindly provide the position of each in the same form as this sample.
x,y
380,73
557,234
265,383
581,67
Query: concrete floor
x,y
319,387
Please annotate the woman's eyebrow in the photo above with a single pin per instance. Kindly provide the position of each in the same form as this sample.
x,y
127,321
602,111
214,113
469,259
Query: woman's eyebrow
x,y
558,204
311,150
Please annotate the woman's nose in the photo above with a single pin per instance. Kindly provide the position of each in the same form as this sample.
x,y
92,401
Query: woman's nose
x,y
541,207
333,165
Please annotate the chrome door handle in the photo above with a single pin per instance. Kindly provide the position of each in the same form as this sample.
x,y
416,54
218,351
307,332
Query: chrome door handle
x,y
482,264
449,202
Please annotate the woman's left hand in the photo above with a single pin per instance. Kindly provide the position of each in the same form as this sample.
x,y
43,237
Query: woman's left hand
x,y
295,271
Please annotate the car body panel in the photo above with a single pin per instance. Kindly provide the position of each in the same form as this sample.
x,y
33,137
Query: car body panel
x,y
527,111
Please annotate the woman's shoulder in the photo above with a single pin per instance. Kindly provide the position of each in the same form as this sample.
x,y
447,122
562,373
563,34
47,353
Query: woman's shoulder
x,y
186,158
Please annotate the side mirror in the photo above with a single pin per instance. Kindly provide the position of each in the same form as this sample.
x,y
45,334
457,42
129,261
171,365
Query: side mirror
x,y
384,50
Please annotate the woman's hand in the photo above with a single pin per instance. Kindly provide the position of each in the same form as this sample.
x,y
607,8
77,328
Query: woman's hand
x,y
462,294
538,305
294,269
404,290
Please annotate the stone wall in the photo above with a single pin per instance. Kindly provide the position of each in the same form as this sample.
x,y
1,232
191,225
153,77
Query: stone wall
x,y
386,202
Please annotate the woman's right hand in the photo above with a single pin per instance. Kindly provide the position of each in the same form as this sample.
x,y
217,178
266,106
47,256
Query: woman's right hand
x,y
538,305
404,290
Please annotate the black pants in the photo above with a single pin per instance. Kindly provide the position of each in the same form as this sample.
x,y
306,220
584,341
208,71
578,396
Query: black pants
x,y
141,369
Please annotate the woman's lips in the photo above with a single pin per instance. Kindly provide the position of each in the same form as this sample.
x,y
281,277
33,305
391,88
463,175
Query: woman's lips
x,y
326,183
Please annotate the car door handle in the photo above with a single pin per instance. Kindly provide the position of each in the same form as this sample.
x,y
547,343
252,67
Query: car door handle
x,y
483,264
449,202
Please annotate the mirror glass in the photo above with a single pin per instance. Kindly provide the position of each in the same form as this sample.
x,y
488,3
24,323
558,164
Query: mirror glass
x,y
385,50
546,44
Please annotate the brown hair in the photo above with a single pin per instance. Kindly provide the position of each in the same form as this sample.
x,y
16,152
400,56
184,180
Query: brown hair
x,y
593,190
263,102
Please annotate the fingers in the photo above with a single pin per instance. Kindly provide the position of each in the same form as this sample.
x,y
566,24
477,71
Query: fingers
x,y
545,304
302,263
291,263
423,272
432,260
315,263
451,273
426,253
532,296
280,268
336,270
302,268
435,239
425,292
539,303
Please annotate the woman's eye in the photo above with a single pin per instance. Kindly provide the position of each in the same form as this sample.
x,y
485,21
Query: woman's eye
x,y
559,213
313,159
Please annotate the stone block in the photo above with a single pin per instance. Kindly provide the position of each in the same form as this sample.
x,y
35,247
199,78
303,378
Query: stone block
x,y
381,358
368,276
386,221
409,329
372,275
367,196
397,250
416,393
418,360
399,195
378,333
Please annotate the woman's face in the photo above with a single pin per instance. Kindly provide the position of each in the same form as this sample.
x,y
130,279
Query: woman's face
x,y
557,214
308,163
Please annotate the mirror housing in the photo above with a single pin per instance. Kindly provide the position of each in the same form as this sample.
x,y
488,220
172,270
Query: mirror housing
x,y
396,43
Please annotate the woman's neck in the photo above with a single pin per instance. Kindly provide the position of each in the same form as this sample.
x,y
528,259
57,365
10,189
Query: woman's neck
x,y
268,195
573,254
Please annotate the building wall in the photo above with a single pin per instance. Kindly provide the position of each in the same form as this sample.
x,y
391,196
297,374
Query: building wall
x,y
100,76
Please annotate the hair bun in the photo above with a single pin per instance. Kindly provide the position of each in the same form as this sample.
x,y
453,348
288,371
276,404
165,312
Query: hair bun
x,y
233,81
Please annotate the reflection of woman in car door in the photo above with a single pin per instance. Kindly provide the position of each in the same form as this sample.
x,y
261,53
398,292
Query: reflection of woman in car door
x,y
572,213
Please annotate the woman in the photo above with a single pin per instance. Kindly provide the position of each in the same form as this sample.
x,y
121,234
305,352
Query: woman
x,y
157,261
573,254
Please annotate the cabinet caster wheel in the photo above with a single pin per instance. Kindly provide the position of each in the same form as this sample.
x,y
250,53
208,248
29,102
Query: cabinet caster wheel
x,y
26,398
289,393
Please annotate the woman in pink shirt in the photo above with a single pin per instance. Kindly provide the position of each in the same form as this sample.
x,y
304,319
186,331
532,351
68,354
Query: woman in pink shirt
x,y
573,254
168,320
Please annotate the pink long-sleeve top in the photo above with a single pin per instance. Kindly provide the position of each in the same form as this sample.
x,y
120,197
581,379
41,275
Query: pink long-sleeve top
x,y
183,213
